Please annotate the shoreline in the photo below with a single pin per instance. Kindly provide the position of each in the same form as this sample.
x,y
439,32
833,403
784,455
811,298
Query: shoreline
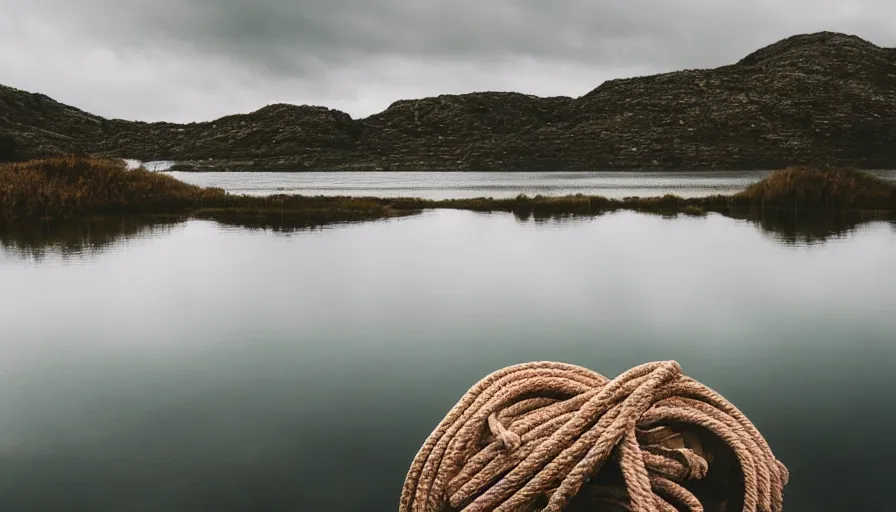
x,y
76,187
168,166
202,169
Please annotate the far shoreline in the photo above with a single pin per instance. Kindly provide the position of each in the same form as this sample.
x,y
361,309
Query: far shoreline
x,y
365,170
73,187
184,168
167,166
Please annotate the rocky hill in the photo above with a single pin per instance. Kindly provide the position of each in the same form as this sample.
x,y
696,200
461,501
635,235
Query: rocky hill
x,y
816,98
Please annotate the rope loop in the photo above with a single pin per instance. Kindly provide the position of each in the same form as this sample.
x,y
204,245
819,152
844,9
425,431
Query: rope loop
x,y
549,437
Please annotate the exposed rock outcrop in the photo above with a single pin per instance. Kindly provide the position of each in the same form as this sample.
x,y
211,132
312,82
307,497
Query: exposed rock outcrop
x,y
818,98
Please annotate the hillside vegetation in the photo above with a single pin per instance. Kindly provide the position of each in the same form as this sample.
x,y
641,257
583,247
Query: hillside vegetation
x,y
822,97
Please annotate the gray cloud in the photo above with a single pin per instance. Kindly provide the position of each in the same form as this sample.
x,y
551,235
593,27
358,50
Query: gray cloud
x,y
189,59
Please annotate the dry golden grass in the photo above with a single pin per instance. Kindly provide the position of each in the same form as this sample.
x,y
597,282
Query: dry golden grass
x,y
814,188
76,187
63,188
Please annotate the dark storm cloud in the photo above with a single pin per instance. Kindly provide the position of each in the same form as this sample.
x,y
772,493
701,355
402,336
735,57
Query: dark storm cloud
x,y
287,36
320,46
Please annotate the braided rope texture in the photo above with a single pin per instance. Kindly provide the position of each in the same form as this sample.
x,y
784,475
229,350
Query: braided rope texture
x,y
548,437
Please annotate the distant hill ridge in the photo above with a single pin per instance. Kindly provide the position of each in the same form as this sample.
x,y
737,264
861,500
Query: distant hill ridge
x,y
814,98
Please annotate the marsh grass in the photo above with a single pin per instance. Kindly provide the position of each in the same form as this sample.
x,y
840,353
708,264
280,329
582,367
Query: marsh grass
x,y
543,206
819,188
78,187
66,188
75,187
286,212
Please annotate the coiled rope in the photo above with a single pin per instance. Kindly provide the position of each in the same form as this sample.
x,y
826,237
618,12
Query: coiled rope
x,y
540,437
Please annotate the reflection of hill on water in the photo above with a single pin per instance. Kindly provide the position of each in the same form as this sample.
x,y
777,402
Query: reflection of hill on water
x,y
72,238
286,221
34,240
782,226
789,228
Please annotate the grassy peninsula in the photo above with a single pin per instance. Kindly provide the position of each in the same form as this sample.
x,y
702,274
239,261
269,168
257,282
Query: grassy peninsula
x,y
75,187
78,187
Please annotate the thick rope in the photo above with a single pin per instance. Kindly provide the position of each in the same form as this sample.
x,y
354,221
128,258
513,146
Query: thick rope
x,y
536,436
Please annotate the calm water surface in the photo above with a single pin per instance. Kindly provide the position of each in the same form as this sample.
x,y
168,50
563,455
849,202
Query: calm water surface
x,y
199,367
447,185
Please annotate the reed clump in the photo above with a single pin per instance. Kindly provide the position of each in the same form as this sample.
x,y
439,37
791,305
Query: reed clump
x,y
72,187
821,188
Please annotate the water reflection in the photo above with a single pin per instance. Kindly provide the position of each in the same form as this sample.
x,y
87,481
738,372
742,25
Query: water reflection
x,y
34,241
279,222
788,228
784,227
231,369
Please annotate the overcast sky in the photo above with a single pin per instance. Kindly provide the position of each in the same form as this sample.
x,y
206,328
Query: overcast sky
x,y
193,60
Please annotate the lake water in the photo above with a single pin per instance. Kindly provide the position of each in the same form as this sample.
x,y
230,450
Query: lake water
x,y
191,366
448,185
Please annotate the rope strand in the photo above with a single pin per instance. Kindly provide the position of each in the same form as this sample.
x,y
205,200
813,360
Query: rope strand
x,y
545,436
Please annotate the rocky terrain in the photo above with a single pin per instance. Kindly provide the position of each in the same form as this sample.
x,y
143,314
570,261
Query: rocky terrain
x,y
823,98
